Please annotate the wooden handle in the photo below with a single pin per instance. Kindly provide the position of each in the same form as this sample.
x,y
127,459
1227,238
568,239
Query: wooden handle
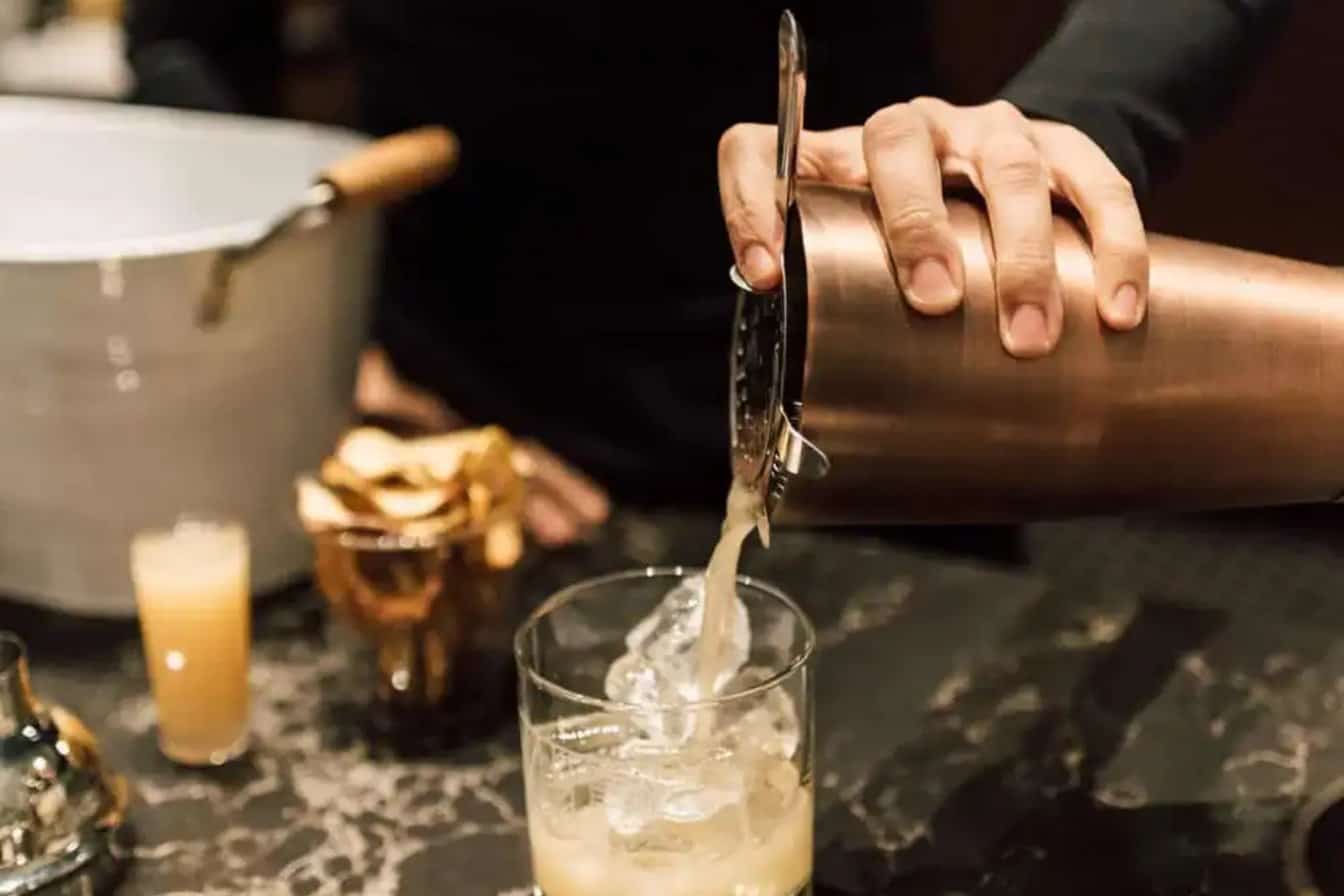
x,y
394,167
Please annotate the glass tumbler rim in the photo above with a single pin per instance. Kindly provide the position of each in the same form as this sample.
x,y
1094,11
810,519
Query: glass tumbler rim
x,y
186,521
570,593
159,537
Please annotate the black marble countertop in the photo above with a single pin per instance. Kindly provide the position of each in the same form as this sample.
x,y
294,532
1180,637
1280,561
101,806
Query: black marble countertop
x,y
1100,707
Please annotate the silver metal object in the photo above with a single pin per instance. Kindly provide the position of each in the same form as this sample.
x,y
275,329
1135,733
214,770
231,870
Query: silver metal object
x,y
123,408
767,444
389,169
313,211
792,97
61,812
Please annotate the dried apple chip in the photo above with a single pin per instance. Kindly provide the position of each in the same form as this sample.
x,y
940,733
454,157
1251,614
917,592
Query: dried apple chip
x,y
372,453
443,455
490,462
409,503
319,508
503,544
427,487
479,503
338,475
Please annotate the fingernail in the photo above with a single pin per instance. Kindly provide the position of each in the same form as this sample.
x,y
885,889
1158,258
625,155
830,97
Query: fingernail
x,y
931,285
1125,304
1028,332
758,266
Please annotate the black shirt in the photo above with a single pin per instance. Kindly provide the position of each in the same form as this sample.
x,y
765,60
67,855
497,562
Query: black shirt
x,y
570,281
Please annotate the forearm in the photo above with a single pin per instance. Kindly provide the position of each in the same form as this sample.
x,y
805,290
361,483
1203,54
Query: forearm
x,y
1144,79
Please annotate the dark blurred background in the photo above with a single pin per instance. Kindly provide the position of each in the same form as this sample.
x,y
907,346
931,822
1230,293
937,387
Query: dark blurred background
x,y
1282,149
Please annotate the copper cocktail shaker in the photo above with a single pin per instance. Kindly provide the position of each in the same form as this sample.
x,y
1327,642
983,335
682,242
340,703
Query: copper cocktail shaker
x,y
849,407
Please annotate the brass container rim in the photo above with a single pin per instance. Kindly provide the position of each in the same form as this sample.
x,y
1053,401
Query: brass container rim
x,y
371,540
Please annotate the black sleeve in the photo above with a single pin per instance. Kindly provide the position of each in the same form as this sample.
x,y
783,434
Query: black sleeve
x,y
1144,77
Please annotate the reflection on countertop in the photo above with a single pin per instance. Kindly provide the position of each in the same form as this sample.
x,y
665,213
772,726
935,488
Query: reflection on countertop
x,y
1109,706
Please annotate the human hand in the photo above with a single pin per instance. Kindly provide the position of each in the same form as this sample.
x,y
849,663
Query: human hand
x,y
906,153
562,504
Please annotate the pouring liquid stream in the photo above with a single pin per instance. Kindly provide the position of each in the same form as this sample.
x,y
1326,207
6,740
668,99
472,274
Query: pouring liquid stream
x,y
745,511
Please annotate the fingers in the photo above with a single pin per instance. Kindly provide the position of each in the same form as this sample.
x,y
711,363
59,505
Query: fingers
x,y
562,504
905,152
747,194
1016,187
585,498
549,521
381,392
833,156
747,189
1094,186
905,174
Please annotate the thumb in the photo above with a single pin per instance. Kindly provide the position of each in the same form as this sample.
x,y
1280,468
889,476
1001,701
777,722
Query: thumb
x,y
747,193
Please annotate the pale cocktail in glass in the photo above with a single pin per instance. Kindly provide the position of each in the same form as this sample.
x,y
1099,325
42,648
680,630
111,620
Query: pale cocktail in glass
x,y
711,797
192,586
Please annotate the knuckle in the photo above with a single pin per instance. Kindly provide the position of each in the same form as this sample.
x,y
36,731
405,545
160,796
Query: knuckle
x,y
1027,272
1112,191
913,223
894,124
739,137
1002,110
1012,160
929,105
740,221
1063,132
1071,140
843,167
1130,249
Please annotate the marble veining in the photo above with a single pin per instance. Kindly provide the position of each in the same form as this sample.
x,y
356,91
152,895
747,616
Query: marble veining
x,y
340,819
1062,708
